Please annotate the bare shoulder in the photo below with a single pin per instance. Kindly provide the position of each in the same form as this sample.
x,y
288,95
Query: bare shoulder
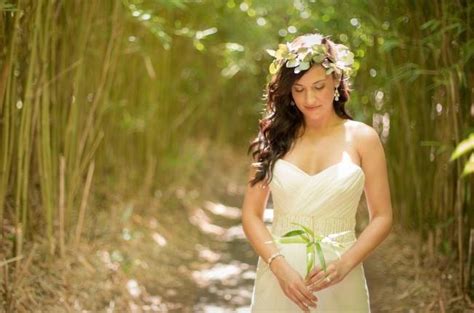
x,y
363,132
365,137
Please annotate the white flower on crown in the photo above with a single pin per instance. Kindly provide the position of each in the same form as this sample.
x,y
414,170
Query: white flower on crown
x,y
344,58
309,49
306,41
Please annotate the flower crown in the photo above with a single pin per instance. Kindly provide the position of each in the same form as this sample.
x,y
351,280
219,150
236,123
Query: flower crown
x,y
309,49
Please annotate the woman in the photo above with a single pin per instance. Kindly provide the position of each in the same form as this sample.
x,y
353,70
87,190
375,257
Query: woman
x,y
316,161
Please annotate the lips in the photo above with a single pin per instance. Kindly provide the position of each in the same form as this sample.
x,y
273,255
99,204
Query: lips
x,y
312,108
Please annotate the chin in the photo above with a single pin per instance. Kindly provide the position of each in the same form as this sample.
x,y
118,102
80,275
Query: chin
x,y
316,116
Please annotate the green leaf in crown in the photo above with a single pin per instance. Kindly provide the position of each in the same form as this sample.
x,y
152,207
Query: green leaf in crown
x,y
301,56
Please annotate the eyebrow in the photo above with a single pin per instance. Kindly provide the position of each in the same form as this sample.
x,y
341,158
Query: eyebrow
x,y
313,83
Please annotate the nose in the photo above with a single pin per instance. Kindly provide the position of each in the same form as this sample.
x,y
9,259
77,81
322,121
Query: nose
x,y
310,98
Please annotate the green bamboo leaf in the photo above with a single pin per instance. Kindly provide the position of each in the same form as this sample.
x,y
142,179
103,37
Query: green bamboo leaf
x,y
306,238
319,251
309,257
463,147
294,239
305,228
390,44
469,167
293,233
431,24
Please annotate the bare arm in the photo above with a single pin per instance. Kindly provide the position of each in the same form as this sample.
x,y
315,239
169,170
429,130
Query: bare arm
x,y
291,282
255,201
377,192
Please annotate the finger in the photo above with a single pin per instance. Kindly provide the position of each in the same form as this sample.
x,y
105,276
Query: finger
x,y
308,294
299,303
321,276
306,297
313,272
318,269
304,305
315,287
315,279
324,283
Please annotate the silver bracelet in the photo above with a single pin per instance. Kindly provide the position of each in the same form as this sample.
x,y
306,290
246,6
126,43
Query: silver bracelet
x,y
274,255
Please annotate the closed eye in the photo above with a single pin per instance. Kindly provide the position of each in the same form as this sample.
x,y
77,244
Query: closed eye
x,y
300,90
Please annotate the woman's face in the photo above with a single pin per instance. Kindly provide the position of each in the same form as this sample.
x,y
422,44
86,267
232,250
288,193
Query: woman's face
x,y
313,93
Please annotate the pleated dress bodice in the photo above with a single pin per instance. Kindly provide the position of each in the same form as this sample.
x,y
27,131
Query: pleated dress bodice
x,y
326,202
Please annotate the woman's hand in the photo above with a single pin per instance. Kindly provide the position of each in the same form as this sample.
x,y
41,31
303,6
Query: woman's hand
x,y
317,279
292,284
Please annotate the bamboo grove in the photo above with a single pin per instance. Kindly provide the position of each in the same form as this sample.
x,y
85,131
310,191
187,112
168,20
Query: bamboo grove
x,y
127,95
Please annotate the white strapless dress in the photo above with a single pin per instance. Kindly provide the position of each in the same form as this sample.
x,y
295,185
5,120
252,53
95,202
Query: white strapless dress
x,y
327,203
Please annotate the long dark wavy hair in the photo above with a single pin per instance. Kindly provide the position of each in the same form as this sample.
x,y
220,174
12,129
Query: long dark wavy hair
x,y
280,123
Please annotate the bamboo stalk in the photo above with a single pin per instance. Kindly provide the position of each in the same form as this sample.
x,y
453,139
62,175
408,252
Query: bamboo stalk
x,y
6,151
75,115
44,153
8,130
62,203
468,287
7,287
14,259
85,196
18,246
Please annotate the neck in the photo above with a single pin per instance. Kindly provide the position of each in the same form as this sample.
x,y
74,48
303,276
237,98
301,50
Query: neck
x,y
322,126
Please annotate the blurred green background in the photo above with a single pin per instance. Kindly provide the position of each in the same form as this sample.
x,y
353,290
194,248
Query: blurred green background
x,y
121,117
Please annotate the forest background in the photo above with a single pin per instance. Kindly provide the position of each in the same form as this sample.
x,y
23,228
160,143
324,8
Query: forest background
x,y
124,127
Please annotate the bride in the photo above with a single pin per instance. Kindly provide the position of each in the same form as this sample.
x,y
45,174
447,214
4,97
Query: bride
x,y
316,161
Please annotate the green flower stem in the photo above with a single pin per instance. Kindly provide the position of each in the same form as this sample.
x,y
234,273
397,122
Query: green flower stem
x,y
313,244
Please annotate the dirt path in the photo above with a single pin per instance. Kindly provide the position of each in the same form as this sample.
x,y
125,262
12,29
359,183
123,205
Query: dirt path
x,y
191,255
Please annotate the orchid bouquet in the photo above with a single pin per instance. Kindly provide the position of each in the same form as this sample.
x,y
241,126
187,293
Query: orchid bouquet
x,y
313,243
